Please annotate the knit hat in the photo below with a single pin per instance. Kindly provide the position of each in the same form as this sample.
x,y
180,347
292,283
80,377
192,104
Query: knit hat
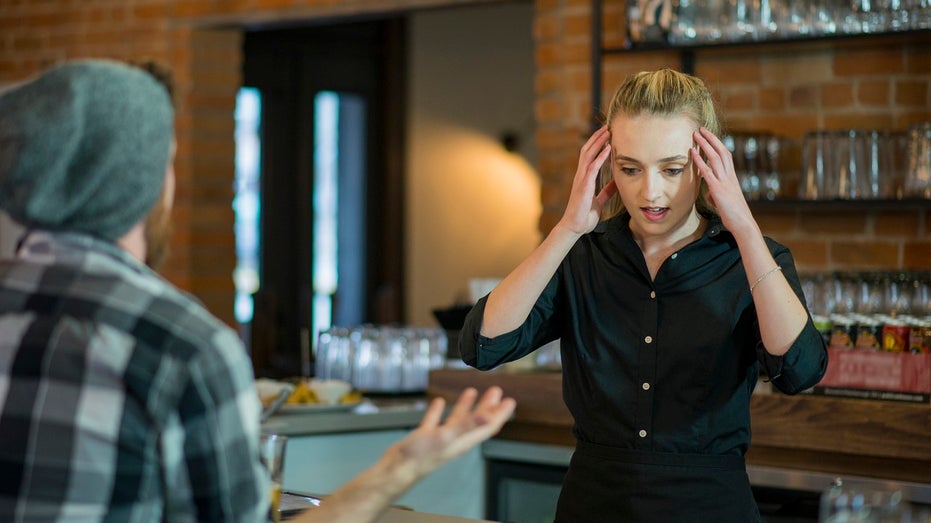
x,y
84,147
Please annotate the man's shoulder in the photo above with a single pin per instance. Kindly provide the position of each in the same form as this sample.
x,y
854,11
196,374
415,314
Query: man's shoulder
x,y
135,301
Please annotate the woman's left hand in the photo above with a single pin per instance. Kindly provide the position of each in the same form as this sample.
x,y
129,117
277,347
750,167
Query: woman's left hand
x,y
721,177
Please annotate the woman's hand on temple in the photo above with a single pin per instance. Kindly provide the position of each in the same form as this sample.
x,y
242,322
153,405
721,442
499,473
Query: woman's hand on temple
x,y
584,208
721,177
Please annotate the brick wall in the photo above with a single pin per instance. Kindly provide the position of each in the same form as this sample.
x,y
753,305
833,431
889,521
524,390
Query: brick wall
x,y
786,89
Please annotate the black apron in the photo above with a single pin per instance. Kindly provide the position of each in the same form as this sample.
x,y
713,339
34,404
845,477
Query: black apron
x,y
610,485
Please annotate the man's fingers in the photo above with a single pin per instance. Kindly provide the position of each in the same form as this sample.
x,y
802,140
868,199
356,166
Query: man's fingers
x,y
434,413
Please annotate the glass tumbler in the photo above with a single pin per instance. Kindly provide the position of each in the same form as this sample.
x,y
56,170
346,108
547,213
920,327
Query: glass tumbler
x,y
271,452
918,176
851,502
818,166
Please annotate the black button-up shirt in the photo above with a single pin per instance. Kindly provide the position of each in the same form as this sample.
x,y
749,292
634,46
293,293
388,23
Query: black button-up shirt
x,y
665,365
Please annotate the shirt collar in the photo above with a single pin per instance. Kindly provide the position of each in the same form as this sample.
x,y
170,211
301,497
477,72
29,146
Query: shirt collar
x,y
621,222
56,245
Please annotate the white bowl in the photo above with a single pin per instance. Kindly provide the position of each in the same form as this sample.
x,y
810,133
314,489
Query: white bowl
x,y
329,392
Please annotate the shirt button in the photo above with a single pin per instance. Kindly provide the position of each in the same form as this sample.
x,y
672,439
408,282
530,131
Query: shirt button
x,y
653,294
646,386
674,255
648,339
643,433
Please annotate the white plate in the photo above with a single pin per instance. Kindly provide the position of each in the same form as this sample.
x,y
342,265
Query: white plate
x,y
307,408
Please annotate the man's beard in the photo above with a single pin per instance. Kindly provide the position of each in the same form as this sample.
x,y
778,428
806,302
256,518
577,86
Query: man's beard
x,y
157,234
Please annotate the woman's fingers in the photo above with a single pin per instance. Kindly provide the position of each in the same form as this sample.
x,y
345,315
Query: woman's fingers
x,y
606,193
718,161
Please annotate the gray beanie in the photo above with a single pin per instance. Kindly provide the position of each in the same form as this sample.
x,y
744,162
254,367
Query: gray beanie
x,y
84,147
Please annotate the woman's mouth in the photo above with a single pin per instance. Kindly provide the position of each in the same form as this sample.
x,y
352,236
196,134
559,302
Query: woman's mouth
x,y
654,213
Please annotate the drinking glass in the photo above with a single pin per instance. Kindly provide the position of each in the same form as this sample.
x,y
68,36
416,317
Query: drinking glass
x,y
852,502
849,152
772,184
818,169
685,27
918,177
271,452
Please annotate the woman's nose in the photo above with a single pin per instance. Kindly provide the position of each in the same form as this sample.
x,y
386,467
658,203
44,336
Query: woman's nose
x,y
652,186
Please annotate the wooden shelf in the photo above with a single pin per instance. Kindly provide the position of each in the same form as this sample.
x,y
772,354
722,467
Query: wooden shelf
x,y
911,204
895,37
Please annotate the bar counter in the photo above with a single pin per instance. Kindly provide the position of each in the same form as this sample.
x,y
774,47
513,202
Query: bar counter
x,y
838,436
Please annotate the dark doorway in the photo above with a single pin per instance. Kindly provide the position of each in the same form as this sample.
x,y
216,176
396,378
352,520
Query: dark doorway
x,y
331,185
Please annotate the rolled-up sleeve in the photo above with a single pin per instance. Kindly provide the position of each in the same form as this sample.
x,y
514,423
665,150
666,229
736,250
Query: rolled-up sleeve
x,y
802,366
540,327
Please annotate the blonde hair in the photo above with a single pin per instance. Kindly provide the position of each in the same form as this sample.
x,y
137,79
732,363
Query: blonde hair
x,y
664,92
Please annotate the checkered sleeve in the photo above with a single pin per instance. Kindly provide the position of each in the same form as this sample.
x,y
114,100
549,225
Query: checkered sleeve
x,y
218,475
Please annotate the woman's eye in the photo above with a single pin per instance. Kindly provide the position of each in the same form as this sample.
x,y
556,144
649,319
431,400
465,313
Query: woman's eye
x,y
674,171
629,171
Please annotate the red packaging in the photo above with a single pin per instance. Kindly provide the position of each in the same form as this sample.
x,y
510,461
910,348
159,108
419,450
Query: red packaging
x,y
895,337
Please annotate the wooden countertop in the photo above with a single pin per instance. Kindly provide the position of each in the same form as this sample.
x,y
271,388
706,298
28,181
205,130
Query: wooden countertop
x,y
848,437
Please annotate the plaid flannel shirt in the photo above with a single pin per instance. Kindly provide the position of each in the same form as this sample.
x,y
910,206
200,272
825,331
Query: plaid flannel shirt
x,y
121,398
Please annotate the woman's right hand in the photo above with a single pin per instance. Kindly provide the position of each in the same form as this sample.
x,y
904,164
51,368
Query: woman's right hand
x,y
584,208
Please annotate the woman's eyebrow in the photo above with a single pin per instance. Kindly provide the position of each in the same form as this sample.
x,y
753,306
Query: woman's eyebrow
x,y
674,158
621,157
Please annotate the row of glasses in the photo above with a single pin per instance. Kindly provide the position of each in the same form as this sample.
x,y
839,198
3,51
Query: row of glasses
x,y
381,359
756,162
701,22
854,164
893,293
869,502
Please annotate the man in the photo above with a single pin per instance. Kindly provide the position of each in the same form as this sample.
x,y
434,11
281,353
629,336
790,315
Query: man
x,y
121,397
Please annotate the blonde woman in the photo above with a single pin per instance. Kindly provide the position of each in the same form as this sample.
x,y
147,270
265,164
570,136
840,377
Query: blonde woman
x,y
668,301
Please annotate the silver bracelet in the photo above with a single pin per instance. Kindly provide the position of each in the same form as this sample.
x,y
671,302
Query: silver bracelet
x,y
763,277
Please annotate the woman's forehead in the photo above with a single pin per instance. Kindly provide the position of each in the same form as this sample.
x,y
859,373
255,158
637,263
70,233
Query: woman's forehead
x,y
652,136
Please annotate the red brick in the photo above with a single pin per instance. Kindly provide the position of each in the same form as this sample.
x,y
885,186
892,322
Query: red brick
x,y
873,61
147,11
918,59
911,92
776,222
809,255
550,110
841,222
786,124
803,97
860,120
577,53
772,99
548,54
738,100
893,223
902,121
546,27
864,254
207,215
577,24
728,70
917,255
837,94
874,92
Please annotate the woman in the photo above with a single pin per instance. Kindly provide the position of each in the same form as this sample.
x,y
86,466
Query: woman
x,y
666,311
